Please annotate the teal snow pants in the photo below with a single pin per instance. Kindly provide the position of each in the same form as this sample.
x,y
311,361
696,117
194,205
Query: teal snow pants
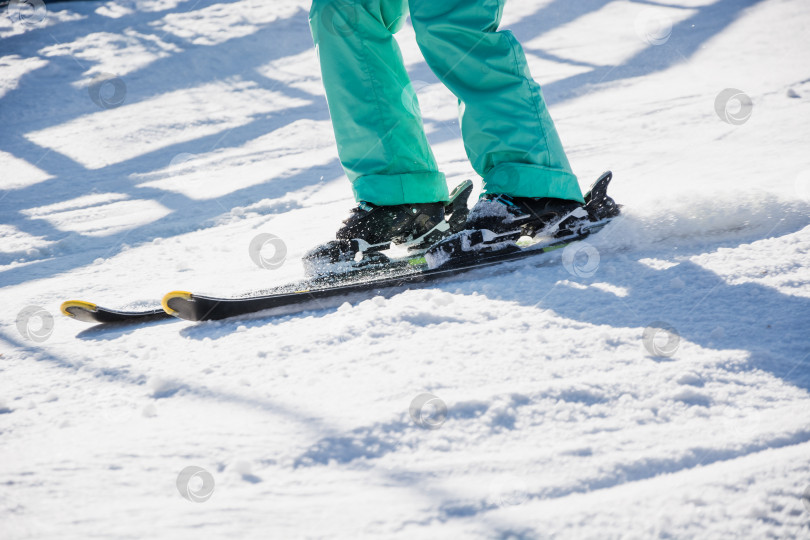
x,y
508,134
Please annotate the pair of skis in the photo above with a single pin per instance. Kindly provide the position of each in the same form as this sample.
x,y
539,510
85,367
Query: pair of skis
x,y
441,262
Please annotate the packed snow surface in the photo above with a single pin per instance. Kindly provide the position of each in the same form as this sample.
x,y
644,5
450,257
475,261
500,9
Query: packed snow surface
x,y
650,383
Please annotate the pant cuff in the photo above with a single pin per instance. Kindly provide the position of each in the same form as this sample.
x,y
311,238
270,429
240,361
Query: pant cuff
x,y
525,180
410,188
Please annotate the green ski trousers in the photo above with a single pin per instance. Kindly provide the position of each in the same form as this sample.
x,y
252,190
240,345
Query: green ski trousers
x,y
508,133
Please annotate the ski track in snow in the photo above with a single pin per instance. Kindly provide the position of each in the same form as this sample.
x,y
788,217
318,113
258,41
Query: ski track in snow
x,y
559,422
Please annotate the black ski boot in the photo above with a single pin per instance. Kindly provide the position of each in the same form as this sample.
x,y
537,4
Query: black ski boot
x,y
507,217
375,227
497,222
526,216
371,229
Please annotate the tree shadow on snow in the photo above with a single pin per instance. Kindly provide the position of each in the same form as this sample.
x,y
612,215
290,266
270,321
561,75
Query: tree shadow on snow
x,y
702,306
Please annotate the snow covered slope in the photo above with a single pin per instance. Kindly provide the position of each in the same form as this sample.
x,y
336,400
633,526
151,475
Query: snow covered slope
x,y
144,144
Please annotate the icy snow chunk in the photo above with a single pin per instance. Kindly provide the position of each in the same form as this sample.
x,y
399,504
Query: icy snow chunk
x,y
691,379
502,416
693,397
244,469
161,387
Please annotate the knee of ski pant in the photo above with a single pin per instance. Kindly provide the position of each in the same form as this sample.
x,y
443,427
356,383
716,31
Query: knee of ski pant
x,y
451,40
449,19
342,18
332,18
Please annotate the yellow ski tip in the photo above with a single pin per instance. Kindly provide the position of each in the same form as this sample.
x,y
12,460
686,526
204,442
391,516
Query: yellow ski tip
x,y
185,295
65,307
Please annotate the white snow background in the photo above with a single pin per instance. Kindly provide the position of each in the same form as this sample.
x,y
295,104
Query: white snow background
x,y
560,422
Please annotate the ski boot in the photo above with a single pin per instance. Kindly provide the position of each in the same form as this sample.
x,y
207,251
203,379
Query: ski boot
x,y
372,229
496,223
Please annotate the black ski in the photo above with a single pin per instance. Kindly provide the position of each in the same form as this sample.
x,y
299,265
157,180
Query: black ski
x,y
195,307
91,313
332,290
441,262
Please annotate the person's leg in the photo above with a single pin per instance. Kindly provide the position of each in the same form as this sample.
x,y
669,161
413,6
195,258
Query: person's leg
x,y
507,130
380,137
